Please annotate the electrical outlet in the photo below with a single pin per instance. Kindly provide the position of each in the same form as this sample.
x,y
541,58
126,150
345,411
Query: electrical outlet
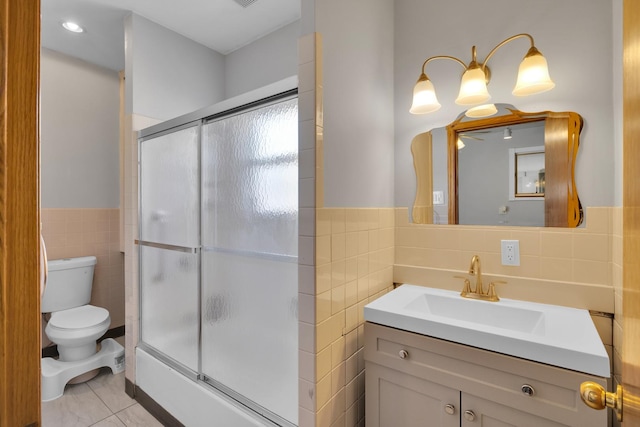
x,y
510,252
438,197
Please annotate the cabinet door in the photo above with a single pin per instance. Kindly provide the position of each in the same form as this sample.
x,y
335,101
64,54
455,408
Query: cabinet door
x,y
478,412
395,399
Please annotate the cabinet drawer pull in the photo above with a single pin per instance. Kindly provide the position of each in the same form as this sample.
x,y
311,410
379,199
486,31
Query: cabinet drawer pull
x,y
450,409
403,354
469,415
528,390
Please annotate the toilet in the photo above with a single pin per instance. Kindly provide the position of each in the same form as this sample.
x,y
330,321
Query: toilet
x,y
75,325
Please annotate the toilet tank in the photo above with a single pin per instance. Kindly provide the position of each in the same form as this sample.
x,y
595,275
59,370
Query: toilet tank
x,y
68,284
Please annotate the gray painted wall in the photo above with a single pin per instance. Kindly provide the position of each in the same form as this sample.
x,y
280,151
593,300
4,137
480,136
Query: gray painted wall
x,y
80,105
564,39
168,74
267,60
358,100
483,173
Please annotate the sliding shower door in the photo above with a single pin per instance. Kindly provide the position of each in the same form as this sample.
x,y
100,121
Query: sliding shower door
x,y
169,244
249,255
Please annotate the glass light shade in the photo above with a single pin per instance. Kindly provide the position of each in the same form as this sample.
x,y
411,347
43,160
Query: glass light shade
x,y
460,144
424,97
533,76
473,87
485,110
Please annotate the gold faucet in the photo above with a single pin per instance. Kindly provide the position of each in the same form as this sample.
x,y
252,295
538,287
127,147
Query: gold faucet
x,y
478,292
474,269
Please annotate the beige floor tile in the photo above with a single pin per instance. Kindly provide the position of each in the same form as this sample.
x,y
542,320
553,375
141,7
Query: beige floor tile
x,y
110,389
112,421
78,407
136,415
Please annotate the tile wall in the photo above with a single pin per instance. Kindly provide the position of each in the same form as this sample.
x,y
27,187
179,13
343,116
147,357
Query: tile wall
x,y
354,265
82,232
581,255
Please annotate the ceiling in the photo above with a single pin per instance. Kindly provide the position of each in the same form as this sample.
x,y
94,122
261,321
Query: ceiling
x,y
221,25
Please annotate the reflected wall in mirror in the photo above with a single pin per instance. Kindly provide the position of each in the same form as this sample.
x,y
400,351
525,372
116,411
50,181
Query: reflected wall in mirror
x,y
514,169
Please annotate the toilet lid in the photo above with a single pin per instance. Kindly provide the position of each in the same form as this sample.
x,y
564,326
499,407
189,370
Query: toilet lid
x,y
79,317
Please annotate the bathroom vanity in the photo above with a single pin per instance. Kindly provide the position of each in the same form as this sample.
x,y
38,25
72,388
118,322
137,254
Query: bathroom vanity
x,y
414,379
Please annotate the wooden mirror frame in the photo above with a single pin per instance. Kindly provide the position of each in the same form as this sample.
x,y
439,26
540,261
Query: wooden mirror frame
x,y
561,140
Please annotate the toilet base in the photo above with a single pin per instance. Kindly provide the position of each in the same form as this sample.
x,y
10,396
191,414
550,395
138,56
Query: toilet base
x,y
56,374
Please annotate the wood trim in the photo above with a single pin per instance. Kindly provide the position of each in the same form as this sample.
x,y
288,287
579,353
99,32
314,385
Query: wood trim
x,y
129,388
421,149
562,132
562,206
452,167
631,214
19,213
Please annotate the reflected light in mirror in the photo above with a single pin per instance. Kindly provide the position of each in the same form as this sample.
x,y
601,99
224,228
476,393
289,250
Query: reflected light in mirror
x,y
485,110
73,27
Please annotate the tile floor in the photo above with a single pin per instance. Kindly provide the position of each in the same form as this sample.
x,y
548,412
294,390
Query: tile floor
x,y
100,402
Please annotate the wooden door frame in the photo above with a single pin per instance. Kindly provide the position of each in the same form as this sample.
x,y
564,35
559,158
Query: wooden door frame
x,y
631,214
19,213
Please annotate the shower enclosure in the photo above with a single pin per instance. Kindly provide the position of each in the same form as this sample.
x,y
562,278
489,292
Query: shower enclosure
x,y
218,241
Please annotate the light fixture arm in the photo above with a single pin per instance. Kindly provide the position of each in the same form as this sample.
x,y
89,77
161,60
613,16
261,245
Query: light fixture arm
x,y
452,58
502,43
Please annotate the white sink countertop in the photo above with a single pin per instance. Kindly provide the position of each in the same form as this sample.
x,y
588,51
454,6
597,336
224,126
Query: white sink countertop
x,y
556,335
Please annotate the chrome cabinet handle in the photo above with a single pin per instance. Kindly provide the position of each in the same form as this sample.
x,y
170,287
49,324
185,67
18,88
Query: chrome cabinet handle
x,y
528,390
450,409
403,354
469,415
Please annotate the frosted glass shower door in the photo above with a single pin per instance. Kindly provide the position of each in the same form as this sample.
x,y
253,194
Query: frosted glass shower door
x,y
169,244
250,248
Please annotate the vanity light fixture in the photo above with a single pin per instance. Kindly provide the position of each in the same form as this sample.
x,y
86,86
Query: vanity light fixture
x,y
507,133
533,77
460,144
72,26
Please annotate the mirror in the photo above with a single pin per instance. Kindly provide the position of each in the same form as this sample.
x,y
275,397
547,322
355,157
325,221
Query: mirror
x,y
514,169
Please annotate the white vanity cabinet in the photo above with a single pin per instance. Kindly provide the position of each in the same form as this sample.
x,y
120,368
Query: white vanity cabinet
x,y
416,380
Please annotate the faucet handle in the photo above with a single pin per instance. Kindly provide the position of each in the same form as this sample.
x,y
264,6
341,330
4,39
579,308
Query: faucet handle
x,y
491,293
467,285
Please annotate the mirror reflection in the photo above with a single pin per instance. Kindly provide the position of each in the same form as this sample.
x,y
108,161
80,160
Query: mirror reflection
x,y
514,169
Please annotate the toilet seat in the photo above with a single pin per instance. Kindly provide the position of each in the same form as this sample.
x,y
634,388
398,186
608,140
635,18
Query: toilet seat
x,y
86,316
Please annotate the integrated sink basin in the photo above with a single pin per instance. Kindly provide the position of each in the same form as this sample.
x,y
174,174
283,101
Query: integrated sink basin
x,y
551,334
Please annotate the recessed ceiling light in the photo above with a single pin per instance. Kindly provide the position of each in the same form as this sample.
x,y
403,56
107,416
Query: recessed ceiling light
x,y
73,27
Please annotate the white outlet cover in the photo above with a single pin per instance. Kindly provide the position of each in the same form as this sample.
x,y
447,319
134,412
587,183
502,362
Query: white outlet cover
x,y
510,252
